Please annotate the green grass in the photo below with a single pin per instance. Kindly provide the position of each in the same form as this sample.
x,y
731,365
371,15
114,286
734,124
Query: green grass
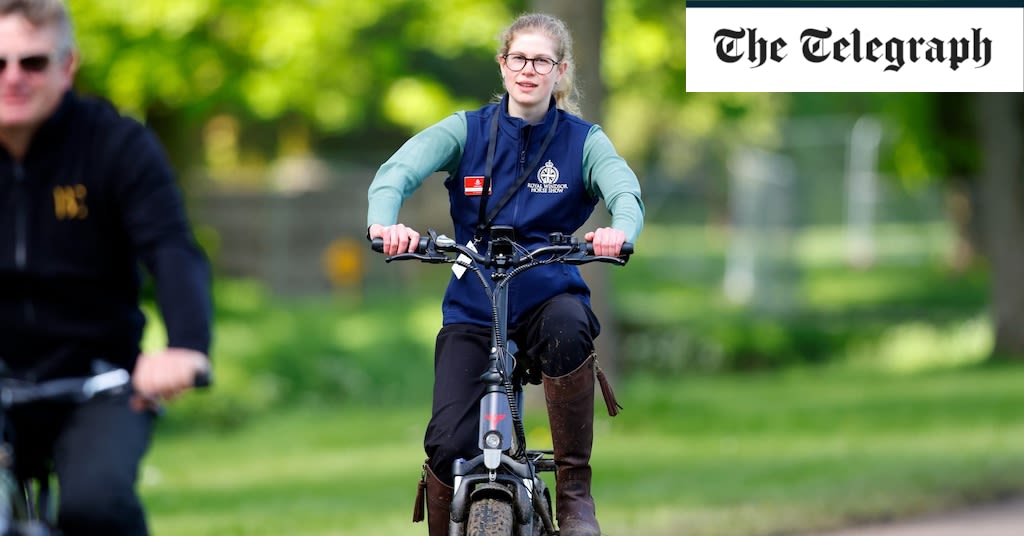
x,y
763,453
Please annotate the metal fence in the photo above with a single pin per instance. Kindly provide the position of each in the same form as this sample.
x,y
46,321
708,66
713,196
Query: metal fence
x,y
823,172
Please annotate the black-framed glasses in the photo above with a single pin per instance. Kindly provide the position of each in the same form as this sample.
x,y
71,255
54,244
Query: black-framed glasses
x,y
517,62
33,63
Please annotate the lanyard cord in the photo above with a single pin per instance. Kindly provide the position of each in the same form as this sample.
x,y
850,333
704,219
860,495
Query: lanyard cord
x,y
484,223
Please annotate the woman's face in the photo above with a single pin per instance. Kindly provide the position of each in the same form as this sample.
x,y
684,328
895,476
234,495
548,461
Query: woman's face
x,y
527,88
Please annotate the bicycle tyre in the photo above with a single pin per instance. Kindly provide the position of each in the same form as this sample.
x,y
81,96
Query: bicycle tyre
x,y
489,516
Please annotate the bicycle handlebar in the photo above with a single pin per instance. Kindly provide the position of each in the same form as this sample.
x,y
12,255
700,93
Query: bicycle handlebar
x,y
203,379
78,389
15,393
377,244
437,249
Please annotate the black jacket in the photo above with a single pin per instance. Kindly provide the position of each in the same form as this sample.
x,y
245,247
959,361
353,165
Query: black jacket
x,y
93,198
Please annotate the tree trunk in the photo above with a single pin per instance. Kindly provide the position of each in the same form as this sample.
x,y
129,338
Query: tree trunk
x,y
958,141
585,19
1000,117
961,209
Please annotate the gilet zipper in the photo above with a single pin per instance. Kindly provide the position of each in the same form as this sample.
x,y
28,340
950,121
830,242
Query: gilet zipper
x,y
21,208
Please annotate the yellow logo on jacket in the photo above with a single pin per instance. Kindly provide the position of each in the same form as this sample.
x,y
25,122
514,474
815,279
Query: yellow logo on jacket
x,y
69,202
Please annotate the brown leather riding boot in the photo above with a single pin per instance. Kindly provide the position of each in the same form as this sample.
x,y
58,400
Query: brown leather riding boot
x,y
570,400
438,496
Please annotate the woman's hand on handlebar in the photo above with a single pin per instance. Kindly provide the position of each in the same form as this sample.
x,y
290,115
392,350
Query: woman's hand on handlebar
x,y
607,241
397,238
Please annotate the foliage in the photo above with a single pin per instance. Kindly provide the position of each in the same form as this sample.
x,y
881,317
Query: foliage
x,y
269,352
330,65
930,136
660,129
352,80
676,319
324,59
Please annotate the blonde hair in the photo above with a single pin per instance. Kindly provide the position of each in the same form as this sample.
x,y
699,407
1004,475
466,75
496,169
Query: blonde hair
x,y
43,14
565,93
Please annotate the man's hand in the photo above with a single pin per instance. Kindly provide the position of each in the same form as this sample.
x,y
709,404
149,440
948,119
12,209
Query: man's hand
x,y
165,374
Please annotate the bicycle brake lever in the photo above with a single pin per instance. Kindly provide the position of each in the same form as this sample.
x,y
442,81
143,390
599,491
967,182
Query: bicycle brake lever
x,y
436,258
112,379
444,241
586,259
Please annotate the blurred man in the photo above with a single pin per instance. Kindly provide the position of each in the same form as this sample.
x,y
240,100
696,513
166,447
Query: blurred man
x,y
86,195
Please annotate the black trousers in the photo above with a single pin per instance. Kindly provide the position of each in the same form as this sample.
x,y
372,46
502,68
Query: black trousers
x,y
559,335
94,449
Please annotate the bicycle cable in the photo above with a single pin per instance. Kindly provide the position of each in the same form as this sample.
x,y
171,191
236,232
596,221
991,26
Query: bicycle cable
x,y
510,394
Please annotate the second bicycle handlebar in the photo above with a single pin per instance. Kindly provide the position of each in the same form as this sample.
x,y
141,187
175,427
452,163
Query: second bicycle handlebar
x,y
76,389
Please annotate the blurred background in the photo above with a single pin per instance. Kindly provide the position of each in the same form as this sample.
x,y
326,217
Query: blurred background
x,y
824,323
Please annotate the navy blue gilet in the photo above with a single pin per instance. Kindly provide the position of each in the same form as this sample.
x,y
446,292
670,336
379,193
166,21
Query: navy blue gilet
x,y
553,198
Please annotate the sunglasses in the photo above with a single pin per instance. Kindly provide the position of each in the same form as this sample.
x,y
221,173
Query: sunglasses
x,y
36,63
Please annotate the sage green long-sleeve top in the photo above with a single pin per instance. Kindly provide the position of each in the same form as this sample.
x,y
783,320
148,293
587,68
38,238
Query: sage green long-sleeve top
x,y
439,148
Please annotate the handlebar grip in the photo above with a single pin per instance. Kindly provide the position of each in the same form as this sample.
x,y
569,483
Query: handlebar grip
x,y
377,244
626,249
203,379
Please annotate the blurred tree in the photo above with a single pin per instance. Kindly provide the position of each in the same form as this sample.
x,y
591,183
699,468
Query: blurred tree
x,y
1000,127
340,67
972,143
357,78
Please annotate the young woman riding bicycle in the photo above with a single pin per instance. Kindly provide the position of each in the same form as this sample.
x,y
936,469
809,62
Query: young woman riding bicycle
x,y
526,161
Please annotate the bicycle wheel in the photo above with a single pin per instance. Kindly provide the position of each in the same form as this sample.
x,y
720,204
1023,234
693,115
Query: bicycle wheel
x,y
489,516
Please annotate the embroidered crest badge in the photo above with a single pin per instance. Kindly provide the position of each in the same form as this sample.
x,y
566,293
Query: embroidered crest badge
x,y
547,181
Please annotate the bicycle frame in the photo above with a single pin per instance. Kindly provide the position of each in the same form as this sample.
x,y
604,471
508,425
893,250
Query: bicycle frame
x,y
504,469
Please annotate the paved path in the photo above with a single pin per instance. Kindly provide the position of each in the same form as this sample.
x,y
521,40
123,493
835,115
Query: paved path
x,y
1001,519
